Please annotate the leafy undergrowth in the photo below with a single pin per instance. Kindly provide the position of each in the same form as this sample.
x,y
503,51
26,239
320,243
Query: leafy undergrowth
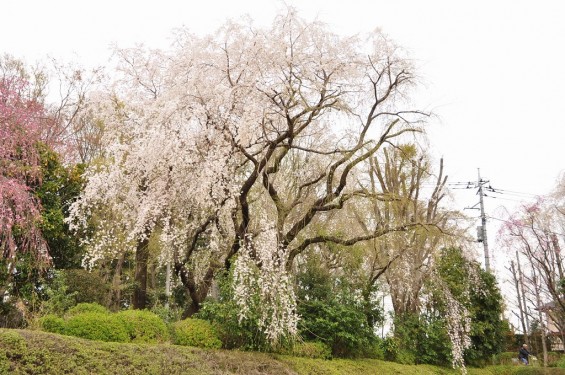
x,y
34,352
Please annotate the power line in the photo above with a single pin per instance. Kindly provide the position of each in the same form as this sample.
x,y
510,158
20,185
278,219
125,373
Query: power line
x,y
459,185
506,199
500,193
511,192
526,226
461,182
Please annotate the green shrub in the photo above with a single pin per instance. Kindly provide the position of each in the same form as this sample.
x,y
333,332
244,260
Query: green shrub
x,y
143,326
419,339
506,358
331,311
390,348
224,316
561,362
343,326
86,286
375,351
52,323
195,332
97,326
553,359
82,308
245,335
59,299
312,349
167,314
406,357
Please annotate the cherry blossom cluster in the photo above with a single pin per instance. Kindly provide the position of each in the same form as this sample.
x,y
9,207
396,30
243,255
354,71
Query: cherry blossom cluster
x,y
267,290
20,168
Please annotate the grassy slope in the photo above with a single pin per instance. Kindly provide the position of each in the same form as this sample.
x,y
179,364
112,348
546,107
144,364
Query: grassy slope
x,y
33,352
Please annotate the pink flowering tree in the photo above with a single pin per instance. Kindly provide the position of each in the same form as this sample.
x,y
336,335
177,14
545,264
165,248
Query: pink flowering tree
x,y
69,124
533,236
19,166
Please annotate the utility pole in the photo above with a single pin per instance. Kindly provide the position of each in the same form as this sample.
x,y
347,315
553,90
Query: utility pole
x,y
483,229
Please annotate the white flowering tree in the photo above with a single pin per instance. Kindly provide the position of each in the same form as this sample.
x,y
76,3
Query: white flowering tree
x,y
243,149
533,232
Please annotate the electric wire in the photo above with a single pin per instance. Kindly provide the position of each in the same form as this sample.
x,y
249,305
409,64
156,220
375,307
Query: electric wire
x,y
525,226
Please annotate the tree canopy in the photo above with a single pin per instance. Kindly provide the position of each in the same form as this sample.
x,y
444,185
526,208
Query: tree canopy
x,y
241,143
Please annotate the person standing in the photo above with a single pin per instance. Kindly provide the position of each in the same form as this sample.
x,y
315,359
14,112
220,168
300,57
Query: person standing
x,y
524,354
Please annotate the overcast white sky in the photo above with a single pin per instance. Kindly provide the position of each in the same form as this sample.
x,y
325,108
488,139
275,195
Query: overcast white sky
x,y
494,71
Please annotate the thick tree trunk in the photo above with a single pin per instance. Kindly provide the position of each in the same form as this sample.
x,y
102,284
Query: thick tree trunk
x,y
197,296
191,309
115,295
140,290
197,291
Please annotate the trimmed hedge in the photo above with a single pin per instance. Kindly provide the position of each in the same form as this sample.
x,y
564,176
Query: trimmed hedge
x,y
195,332
52,323
97,326
82,308
143,326
94,322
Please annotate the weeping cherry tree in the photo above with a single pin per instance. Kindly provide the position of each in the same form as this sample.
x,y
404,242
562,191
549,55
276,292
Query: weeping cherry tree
x,y
242,149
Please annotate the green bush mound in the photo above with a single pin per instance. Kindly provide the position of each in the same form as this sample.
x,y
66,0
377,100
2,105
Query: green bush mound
x,y
143,326
95,322
82,308
52,323
97,326
195,332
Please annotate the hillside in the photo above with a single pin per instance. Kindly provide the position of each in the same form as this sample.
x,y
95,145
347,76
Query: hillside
x,y
34,352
